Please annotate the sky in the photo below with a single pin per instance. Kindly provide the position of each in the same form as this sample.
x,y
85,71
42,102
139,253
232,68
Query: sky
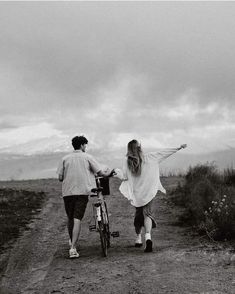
x,y
160,72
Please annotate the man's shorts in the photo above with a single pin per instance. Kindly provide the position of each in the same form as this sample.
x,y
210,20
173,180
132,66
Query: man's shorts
x,y
75,206
141,212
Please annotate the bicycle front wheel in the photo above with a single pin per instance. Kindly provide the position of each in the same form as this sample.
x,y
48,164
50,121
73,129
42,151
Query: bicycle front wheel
x,y
107,231
103,237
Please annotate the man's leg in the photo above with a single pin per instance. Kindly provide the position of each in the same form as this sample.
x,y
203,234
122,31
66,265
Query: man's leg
x,y
69,208
76,231
73,228
79,211
70,224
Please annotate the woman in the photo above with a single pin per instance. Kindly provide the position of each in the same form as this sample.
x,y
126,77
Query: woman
x,y
141,182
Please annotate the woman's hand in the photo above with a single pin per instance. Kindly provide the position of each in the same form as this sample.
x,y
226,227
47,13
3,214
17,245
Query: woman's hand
x,y
119,174
112,173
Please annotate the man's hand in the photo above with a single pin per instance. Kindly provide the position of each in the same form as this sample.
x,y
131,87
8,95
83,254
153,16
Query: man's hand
x,y
183,146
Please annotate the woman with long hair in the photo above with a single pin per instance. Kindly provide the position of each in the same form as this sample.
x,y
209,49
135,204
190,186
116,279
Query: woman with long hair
x,y
140,183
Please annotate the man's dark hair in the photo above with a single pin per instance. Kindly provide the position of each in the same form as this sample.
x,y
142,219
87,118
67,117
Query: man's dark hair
x,y
78,141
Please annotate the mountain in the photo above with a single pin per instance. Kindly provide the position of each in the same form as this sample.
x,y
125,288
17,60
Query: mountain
x,y
38,146
44,165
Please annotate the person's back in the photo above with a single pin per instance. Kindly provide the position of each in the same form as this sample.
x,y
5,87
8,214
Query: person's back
x,y
79,169
146,183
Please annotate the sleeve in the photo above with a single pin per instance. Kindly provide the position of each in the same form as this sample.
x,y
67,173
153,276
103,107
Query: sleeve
x,y
163,154
94,165
122,173
60,169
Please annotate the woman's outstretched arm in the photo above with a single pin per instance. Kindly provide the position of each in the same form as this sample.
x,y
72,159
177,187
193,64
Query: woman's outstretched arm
x,y
165,153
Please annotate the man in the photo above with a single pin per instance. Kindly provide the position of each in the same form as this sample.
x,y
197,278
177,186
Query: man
x,y
77,172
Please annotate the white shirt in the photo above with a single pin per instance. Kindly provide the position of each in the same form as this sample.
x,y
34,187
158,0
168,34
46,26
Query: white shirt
x,y
140,190
78,171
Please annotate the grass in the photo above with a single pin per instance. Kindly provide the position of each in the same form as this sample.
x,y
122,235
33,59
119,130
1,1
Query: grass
x,y
17,207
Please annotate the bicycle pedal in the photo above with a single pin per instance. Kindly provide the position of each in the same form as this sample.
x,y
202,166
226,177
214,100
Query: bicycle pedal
x,y
115,234
92,228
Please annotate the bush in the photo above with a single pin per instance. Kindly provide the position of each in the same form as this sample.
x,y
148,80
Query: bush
x,y
229,176
206,206
220,218
200,199
203,171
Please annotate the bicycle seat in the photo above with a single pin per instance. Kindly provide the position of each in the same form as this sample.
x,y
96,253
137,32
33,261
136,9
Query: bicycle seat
x,y
97,190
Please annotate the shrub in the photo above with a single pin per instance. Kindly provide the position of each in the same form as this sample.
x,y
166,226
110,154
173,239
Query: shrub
x,y
220,218
206,207
199,199
203,171
229,176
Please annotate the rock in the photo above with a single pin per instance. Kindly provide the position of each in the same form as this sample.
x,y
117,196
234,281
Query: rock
x,y
232,259
225,259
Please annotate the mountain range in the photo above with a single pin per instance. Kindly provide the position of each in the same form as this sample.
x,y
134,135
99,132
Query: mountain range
x,y
43,165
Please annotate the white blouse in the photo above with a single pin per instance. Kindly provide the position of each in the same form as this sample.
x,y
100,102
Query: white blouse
x,y
140,190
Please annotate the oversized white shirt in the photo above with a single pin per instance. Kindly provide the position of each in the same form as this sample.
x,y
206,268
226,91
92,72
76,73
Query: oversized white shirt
x,y
140,190
78,171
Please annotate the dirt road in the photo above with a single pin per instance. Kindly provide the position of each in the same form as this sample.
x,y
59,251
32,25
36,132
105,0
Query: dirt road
x,y
180,263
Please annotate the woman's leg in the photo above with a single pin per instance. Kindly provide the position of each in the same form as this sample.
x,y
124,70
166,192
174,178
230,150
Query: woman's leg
x,y
138,223
149,223
148,229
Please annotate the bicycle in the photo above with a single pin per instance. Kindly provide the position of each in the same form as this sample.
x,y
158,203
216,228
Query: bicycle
x,y
100,213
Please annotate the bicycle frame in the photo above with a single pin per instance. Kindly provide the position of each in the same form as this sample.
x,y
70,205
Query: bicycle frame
x,y
100,206
100,214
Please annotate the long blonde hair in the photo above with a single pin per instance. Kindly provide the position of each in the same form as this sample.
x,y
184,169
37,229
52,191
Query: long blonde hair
x,y
134,157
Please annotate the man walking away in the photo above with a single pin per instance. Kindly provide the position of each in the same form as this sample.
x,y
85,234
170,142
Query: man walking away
x,y
77,172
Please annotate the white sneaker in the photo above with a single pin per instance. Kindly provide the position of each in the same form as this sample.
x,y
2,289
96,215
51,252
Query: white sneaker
x,y
138,241
73,253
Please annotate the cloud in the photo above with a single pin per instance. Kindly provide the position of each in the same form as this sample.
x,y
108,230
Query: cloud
x,y
162,72
21,135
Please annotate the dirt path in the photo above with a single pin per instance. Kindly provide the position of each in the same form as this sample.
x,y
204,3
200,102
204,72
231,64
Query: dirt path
x,y
39,262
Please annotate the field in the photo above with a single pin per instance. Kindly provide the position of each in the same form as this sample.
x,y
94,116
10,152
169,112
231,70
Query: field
x,y
181,262
17,208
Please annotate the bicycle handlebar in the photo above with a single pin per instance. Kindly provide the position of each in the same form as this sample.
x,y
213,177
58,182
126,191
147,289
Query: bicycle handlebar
x,y
109,176
96,190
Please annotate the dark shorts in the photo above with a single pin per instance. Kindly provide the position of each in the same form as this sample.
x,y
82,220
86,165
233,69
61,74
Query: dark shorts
x,y
75,206
140,213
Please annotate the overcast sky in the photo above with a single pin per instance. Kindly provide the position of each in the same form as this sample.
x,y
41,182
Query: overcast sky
x,y
160,72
